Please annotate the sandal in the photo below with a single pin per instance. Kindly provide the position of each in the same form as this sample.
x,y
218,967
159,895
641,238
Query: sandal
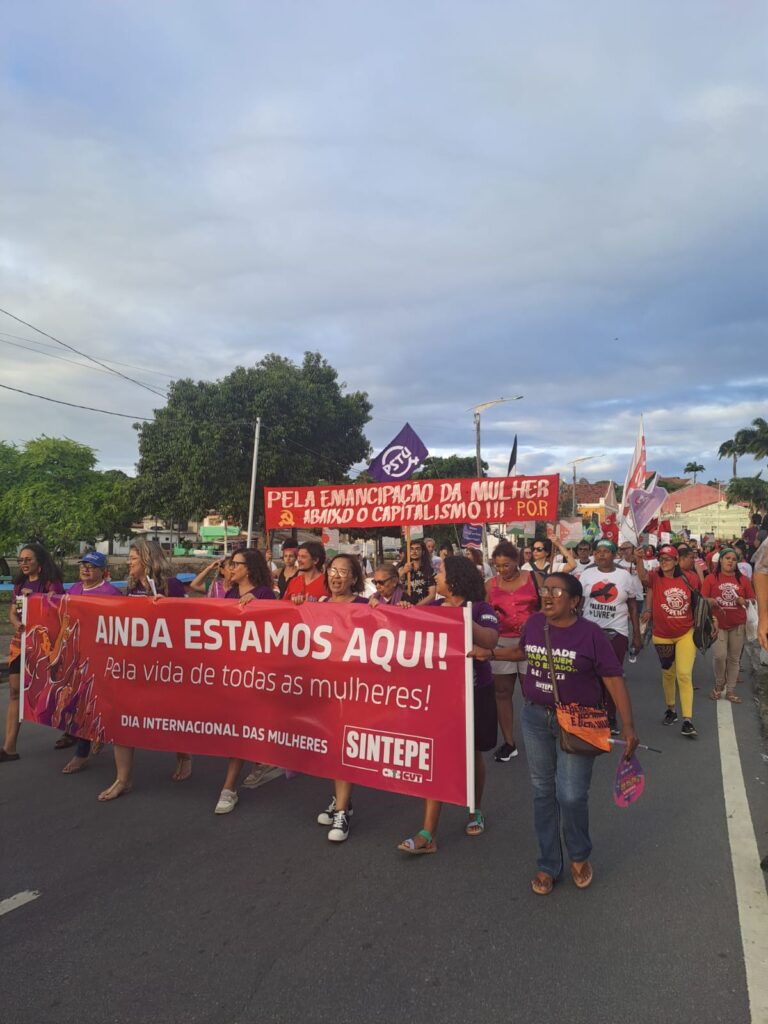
x,y
77,764
183,767
716,694
409,845
542,883
582,874
64,741
476,824
733,698
117,789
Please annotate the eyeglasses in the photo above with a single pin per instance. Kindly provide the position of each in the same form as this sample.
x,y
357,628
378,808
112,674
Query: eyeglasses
x,y
383,583
552,591
338,572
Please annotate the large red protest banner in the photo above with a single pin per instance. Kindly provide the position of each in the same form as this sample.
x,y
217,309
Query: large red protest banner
x,y
380,697
485,500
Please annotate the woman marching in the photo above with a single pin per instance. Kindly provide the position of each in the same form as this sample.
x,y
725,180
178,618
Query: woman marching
x,y
345,582
458,584
37,574
671,591
586,664
544,561
513,596
220,583
149,575
728,592
417,576
388,588
251,580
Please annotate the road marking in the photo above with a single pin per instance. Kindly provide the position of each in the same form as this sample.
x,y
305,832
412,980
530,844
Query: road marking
x,y
14,902
751,897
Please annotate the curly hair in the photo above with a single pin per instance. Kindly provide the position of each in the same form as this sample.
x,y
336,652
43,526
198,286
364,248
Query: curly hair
x,y
316,552
505,549
463,579
256,568
48,571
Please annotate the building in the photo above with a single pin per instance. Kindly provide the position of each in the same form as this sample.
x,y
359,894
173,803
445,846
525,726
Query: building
x,y
702,509
591,499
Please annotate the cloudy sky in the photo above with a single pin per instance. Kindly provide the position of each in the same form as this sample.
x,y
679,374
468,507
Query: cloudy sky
x,y
451,201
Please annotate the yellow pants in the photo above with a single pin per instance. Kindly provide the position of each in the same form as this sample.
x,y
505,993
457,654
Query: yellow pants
x,y
680,669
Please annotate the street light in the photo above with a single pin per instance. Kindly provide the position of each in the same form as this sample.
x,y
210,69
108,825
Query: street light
x,y
476,410
584,458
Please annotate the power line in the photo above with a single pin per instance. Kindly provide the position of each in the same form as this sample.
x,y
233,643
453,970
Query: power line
x,y
85,355
53,355
109,362
73,405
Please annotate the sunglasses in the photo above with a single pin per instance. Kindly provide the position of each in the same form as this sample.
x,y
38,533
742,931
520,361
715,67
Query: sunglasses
x,y
539,549
338,572
233,562
383,583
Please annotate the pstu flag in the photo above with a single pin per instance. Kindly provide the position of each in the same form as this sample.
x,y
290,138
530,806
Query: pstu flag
x,y
402,457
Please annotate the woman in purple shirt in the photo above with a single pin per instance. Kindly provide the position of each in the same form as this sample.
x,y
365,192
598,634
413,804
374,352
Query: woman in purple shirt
x,y
585,664
250,580
459,583
149,575
38,574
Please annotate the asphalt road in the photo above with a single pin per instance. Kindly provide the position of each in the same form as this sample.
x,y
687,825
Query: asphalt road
x,y
154,910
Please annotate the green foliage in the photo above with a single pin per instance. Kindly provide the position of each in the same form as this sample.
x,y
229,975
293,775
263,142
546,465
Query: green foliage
x,y
751,489
450,467
752,440
197,453
52,493
693,467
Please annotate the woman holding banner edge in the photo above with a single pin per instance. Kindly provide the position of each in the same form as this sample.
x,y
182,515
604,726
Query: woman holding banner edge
x,y
344,579
458,584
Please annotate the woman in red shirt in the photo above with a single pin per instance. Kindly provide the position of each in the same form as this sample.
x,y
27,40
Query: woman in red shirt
x,y
671,609
513,596
728,592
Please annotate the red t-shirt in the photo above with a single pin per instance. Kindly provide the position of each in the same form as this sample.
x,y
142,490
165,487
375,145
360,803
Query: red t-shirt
x,y
726,591
671,603
296,585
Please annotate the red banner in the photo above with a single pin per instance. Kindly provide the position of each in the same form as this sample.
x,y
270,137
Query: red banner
x,y
413,502
380,697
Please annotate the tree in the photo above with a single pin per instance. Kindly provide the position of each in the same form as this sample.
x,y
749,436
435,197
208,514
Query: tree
x,y
693,467
751,489
196,454
449,467
751,440
730,450
52,493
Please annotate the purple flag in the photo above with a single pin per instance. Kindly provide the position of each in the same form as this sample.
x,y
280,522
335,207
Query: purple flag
x,y
645,504
401,458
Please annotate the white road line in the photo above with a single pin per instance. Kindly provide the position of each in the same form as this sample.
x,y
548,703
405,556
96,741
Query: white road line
x,y
14,902
751,897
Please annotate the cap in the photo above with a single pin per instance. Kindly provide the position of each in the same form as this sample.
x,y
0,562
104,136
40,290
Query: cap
x,y
95,558
606,542
667,550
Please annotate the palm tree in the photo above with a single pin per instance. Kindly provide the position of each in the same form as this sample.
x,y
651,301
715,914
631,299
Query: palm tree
x,y
730,450
756,438
693,467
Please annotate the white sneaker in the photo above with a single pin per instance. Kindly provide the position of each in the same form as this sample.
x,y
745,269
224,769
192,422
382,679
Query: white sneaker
x,y
340,829
326,817
259,774
227,802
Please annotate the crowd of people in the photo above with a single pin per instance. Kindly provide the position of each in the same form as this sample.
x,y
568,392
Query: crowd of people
x,y
562,623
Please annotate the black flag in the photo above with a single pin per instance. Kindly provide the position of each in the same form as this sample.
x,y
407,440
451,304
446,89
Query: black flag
x,y
512,458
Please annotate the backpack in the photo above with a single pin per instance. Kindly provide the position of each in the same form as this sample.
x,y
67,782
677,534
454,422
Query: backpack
x,y
703,622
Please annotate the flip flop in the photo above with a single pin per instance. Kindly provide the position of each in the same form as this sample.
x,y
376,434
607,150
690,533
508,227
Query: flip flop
x,y
476,824
183,768
409,845
117,789
542,883
582,875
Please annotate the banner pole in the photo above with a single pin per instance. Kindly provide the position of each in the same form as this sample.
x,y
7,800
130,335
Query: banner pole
x,y
408,555
469,709
22,666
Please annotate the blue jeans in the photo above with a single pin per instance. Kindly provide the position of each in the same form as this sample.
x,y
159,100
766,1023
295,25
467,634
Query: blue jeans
x,y
560,791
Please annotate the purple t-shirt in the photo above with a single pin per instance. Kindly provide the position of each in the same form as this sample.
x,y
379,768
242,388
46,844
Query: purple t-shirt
x,y
29,587
357,599
104,589
173,588
259,593
582,654
482,615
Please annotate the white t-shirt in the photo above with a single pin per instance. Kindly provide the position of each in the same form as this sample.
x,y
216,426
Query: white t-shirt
x,y
606,595
580,568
